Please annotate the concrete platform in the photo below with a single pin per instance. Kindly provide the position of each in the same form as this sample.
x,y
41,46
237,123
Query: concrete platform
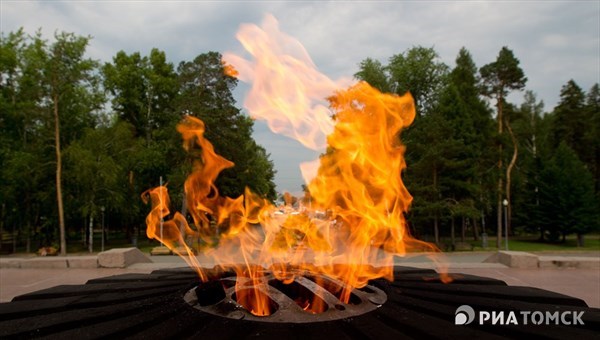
x,y
121,258
577,281
54,262
82,262
517,259
569,262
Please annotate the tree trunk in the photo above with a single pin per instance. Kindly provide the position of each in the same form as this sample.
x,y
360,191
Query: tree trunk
x,y
499,196
452,233
475,230
512,163
59,200
462,230
2,223
14,245
580,240
28,241
436,230
483,230
148,114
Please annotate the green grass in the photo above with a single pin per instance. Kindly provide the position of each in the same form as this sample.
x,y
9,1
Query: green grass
x,y
531,244
527,243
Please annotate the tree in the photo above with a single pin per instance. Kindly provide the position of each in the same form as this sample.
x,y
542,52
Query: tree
x,y
469,117
143,90
73,94
567,201
49,91
430,154
499,78
374,73
94,165
591,137
206,93
570,121
531,131
418,71
575,121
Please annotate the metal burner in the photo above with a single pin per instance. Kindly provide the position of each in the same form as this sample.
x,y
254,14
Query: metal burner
x,y
289,302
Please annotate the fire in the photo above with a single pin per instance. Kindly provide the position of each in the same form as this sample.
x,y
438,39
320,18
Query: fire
x,y
357,182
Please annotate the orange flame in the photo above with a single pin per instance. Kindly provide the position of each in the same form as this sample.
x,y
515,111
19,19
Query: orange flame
x,y
357,183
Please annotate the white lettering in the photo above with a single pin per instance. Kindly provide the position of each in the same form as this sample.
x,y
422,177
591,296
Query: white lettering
x,y
483,316
563,318
540,318
511,319
525,316
498,318
553,316
537,318
577,318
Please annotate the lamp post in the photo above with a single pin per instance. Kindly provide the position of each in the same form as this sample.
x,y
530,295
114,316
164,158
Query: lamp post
x,y
102,210
505,204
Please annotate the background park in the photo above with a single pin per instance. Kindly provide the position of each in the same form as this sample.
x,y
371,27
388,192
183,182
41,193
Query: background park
x,y
83,139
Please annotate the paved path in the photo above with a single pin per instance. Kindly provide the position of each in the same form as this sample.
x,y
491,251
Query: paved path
x,y
580,283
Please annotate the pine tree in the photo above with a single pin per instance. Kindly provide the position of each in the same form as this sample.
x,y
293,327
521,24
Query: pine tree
x,y
499,78
567,201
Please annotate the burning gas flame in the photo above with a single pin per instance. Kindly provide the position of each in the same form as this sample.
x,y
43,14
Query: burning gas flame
x,y
357,183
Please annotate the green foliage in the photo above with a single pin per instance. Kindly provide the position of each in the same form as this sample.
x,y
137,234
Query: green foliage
x,y
143,90
567,202
502,76
591,137
49,92
569,118
447,152
206,93
498,79
374,73
417,70
95,168
531,129
576,121
110,157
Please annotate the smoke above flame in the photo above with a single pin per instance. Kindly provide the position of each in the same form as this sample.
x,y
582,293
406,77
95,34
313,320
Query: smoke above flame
x,y
357,183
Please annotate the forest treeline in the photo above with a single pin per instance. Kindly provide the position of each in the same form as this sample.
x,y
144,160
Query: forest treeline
x,y
476,162
81,139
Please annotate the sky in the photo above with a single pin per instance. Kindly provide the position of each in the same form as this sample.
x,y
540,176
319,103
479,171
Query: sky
x,y
555,41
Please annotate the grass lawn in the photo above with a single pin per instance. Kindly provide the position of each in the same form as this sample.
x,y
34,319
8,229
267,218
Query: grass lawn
x,y
531,243
527,243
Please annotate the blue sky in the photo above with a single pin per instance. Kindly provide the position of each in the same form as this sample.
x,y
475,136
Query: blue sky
x,y
554,40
